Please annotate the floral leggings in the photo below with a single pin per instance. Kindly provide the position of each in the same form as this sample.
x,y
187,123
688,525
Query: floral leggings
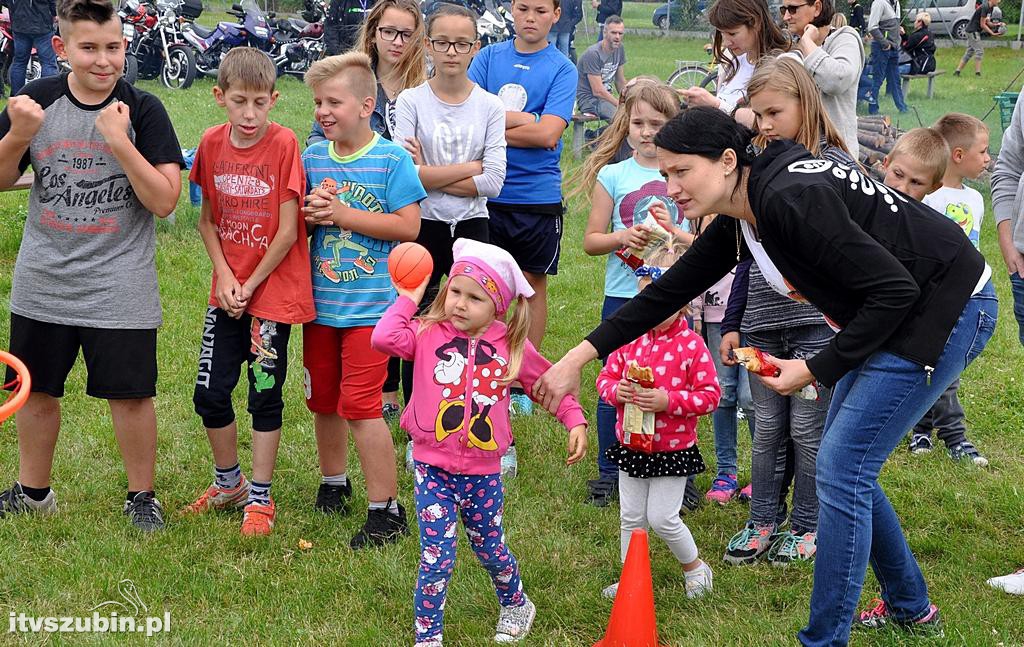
x,y
441,498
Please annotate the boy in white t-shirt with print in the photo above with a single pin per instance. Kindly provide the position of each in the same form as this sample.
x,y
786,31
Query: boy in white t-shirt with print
x,y
967,138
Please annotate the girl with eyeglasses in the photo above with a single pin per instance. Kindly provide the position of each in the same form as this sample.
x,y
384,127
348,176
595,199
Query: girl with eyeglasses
x,y
834,57
455,131
392,37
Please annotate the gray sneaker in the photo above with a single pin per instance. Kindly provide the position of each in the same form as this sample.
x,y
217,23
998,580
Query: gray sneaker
x,y
515,622
145,512
15,501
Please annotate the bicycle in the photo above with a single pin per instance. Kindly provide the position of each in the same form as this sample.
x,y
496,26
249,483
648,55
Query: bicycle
x,y
694,73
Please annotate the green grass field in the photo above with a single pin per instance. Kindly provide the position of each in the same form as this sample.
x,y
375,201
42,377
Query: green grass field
x,y
964,524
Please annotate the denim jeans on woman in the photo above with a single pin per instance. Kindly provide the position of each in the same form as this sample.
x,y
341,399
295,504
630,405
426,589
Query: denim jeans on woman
x,y
872,408
1017,283
781,419
735,385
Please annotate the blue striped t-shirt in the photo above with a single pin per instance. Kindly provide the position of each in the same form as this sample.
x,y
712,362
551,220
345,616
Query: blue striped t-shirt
x,y
351,286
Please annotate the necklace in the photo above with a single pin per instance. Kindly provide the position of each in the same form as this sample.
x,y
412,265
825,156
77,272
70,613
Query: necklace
x,y
737,222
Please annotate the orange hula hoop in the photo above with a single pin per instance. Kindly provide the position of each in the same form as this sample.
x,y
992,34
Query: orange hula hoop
x,y
22,386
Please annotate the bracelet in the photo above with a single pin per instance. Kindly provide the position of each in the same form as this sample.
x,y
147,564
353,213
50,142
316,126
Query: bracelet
x,y
536,117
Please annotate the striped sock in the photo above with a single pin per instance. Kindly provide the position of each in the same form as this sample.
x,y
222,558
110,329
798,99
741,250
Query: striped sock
x,y
259,493
338,480
228,478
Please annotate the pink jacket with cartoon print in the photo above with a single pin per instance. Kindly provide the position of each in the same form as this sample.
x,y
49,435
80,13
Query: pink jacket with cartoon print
x,y
682,367
452,369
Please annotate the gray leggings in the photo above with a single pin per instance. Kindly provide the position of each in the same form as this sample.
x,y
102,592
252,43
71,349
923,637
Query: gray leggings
x,y
780,418
655,502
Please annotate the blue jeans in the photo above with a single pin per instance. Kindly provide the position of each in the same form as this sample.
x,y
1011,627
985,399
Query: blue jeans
x,y
1017,284
784,419
23,44
735,386
885,67
560,40
606,414
872,409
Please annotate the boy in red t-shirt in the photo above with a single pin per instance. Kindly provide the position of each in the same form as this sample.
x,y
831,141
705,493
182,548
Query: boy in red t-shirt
x,y
251,176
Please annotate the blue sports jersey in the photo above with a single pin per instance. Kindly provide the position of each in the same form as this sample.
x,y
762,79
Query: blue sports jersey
x,y
351,286
543,82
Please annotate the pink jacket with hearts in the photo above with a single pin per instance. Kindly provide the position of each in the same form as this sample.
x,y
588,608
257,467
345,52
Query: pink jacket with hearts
x,y
450,371
682,367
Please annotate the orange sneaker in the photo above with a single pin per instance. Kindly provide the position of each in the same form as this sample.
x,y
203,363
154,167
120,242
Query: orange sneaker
x,y
216,498
258,520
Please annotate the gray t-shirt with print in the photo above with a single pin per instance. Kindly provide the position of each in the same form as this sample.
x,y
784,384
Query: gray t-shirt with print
x,y
87,254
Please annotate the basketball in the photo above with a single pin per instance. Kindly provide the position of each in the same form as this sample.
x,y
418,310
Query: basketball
x,y
409,264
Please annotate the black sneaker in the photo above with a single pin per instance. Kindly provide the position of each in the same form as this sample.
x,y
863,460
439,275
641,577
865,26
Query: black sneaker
x,y
15,501
333,499
391,412
381,527
920,444
966,451
145,512
691,498
601,492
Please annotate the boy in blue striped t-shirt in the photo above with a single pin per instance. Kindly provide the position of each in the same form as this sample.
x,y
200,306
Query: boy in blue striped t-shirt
x,y
364,195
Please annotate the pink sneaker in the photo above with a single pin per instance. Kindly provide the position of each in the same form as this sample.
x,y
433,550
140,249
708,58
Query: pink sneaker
x,y
723,489
745,494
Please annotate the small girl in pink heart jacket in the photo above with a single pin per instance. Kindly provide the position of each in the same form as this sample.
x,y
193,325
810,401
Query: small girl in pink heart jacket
x,y
653,470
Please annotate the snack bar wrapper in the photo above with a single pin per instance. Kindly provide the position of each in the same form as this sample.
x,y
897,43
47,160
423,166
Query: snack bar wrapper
x,y
658,237
638,425
755,361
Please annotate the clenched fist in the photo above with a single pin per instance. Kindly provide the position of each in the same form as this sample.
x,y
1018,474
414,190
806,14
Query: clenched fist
x,y
113,121
26,116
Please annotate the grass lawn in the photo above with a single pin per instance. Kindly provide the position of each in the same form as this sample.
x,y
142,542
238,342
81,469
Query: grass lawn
x,y
964,524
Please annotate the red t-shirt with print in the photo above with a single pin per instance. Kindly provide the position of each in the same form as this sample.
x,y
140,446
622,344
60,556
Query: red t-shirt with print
x,y
245,188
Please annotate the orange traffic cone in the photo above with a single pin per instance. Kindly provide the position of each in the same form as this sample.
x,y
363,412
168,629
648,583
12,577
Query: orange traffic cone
x,y
632,623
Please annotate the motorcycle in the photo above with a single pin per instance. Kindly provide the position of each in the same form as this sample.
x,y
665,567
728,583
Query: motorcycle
x,y
212,45
494,24
158,45
299,43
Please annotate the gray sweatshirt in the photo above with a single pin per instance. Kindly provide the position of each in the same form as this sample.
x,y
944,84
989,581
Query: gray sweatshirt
x,y
453,134
1008,178
884,22
835,68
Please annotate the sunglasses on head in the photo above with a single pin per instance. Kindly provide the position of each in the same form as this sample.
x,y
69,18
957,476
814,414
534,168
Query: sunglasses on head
x,y
792,8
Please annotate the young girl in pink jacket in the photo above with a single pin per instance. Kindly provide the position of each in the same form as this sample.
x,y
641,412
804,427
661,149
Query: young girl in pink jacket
x,y
465,359
672,383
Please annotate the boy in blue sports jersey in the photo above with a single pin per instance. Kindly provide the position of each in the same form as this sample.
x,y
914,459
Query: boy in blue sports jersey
x,y
537,84
364,195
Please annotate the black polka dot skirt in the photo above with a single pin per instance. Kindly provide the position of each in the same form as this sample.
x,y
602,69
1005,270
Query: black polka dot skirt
x,y
686,462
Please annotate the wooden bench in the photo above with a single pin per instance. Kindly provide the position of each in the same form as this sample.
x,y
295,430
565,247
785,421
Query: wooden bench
x,y
907,78
579,131
24,182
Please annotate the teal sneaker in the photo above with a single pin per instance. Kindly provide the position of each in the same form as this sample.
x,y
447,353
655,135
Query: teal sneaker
x,y
521,405
749,544
791,547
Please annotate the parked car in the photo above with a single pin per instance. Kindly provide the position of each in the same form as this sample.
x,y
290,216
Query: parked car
x,y
660,17
948,16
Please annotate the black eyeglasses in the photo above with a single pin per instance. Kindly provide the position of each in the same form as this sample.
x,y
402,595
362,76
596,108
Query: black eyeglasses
x,y
792,8
389,34
444,46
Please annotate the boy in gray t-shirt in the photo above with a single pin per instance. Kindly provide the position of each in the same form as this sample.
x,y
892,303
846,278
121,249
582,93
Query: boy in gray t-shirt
x,y
106,159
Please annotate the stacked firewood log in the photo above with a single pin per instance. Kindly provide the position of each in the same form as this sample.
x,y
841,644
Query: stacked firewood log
x,y
876,136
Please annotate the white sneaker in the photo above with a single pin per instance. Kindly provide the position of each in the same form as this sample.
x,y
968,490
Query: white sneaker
x,y
698,581
1012,583
515,622
610,591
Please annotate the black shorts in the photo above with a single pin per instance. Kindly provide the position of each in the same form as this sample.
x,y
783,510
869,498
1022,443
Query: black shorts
x,y
439,237
532,233
120,362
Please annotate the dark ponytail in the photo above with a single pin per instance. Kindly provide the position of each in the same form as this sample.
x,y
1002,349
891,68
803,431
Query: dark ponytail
x,y
707,132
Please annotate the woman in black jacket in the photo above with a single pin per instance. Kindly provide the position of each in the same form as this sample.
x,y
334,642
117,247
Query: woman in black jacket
x,y
908,293
919,46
